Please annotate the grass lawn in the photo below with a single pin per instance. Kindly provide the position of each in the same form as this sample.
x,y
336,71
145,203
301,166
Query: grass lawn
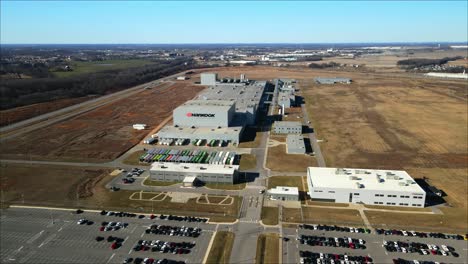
x,y
221,248
247,162
267,248
216,199
309,202
149,182
290,181
83,67
225,186
134,158
270,215
453,220
397,208
323,216
278,160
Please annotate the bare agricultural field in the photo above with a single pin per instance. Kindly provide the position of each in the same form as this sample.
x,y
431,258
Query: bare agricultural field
x,y
101,134
47,185
396,123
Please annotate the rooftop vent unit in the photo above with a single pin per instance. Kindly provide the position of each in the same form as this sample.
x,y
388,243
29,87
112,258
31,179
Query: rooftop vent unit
x,y
353,178
360,186
402,184
390,173
379,178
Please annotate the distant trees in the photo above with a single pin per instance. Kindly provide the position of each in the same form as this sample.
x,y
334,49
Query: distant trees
x,y
20,92
331,64
416,63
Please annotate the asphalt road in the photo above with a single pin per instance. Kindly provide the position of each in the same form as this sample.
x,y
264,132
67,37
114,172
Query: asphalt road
x,y
40,121
51,236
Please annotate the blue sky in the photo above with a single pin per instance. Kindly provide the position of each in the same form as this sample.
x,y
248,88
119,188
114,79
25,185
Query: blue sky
x,y
232,22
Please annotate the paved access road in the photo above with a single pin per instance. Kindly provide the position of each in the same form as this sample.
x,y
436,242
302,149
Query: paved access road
x,y
53,236
374,247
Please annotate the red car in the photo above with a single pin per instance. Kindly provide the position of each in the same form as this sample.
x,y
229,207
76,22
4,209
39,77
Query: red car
x,y
115,245
101,228
434,252
351,245
152,216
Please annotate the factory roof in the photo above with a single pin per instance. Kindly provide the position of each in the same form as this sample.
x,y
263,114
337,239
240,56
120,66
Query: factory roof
x,y
194,167
208,104
287,124
366,179
245,96
294,141
284,190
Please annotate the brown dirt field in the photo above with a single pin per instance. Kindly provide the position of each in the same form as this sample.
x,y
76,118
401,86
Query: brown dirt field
x,y
269,215
278,160
48,185
450,221
134,158
102,134
25,112
322,215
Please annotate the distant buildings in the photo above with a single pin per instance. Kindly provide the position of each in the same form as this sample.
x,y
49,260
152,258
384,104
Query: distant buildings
x,y
334,80
287,127
295,144
208,78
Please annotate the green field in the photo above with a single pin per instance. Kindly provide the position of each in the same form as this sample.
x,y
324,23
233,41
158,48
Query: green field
x,y
83,67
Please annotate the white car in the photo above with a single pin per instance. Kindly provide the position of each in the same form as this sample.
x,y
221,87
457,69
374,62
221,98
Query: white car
x,y
321,255
361,241
404,233
444,247
413,233
424,252
404,250
415,262
351,229
444,253
346,258
81,221
301,260
350,240
336,239
430,247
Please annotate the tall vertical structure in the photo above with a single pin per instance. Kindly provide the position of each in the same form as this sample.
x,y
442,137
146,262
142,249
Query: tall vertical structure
x,y
208,78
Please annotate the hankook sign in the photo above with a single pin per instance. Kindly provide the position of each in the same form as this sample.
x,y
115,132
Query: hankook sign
x,y
199,115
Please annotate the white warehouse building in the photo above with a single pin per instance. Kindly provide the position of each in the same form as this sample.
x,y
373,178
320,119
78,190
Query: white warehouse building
x,y
376,187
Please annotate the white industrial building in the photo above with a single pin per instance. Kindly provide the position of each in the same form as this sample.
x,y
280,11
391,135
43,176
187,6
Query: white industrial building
x,y
208,78
376,187
287,127
190,172
204,113
295,144
284,193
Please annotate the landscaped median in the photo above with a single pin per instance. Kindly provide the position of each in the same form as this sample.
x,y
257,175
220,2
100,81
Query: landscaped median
x,y
221,248
267,248
334,216
247,162
269,215
149,182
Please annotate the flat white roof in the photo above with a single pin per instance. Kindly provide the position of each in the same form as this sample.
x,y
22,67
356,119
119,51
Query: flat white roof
x,y
287,124
284,190
189,179
365,179
194,167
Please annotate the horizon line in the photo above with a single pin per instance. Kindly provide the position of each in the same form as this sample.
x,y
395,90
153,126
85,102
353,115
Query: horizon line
x,y
243,43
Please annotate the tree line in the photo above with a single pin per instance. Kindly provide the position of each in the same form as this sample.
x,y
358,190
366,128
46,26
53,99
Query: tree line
x,y
416,63
20,92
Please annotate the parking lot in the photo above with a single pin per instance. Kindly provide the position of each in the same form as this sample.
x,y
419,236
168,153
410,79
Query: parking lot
x,y
54,236
373,246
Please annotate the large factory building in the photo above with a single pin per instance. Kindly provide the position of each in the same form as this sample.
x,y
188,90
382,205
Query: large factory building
x,y
376,187
204,113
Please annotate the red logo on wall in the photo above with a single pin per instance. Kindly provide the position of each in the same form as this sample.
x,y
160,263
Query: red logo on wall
x,y
189,114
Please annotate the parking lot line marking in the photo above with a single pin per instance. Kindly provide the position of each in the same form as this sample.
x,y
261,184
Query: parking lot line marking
x,y
111,258
60,229
36,236
130,252
19,249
